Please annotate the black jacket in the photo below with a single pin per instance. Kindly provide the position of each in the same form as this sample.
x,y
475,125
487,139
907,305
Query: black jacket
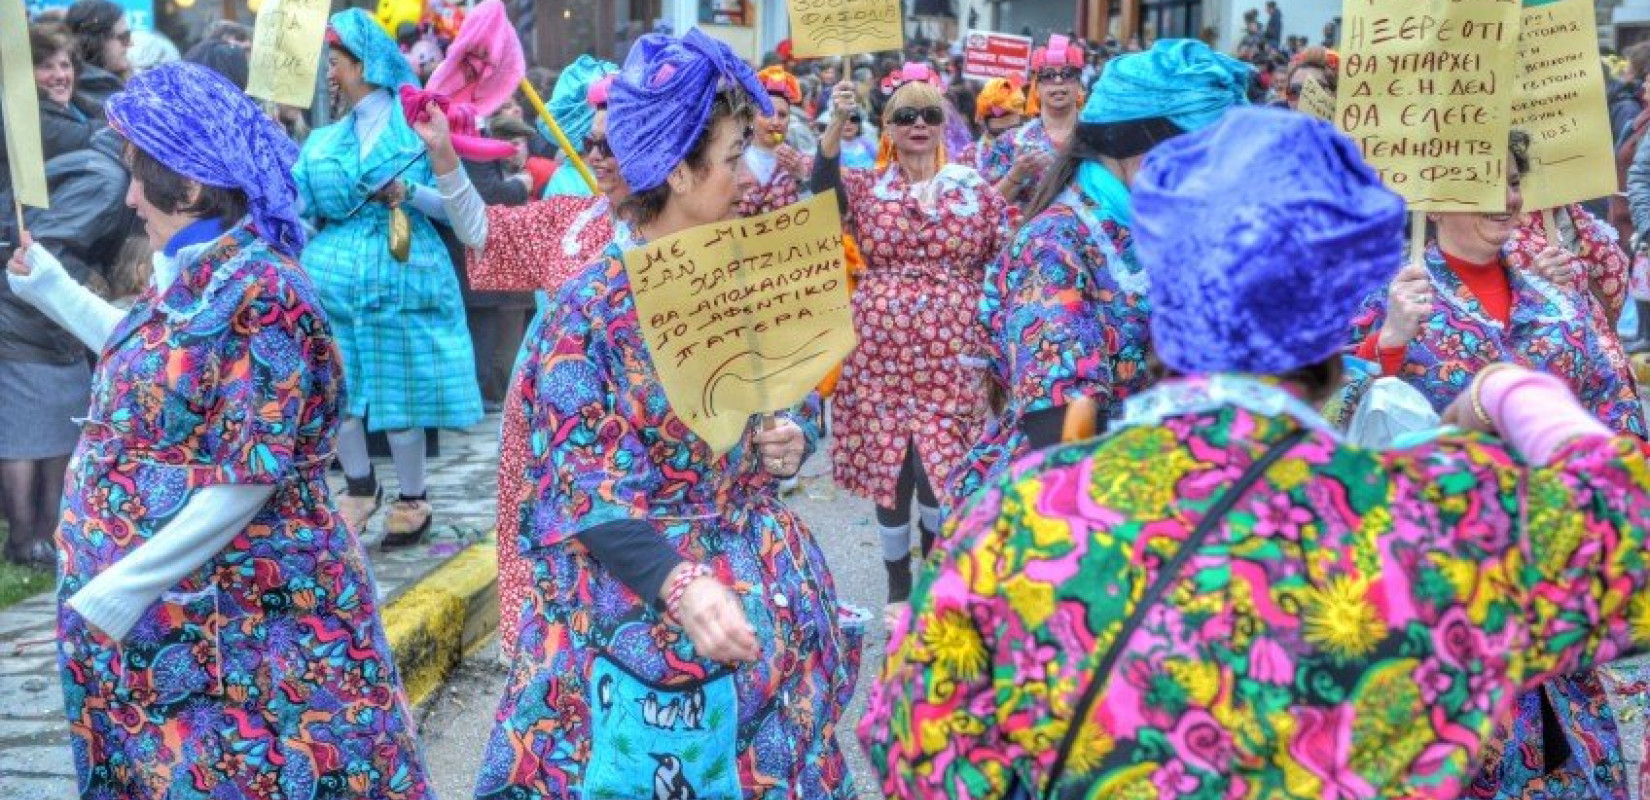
x,y
85,228
97,84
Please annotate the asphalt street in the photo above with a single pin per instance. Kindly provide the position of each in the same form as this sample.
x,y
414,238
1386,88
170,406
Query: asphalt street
x,y
456,724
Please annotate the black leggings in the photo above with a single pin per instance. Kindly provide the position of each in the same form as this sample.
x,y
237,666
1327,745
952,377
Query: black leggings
x,y
911,476
31,494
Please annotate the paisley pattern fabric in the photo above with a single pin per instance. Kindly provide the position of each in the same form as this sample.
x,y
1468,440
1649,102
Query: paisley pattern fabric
x,y
775,190
917,377
265,673
407,352
1352,629
1068,316
1030,138
605,446
1550,332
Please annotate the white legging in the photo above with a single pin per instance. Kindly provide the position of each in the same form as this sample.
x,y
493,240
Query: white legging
x,y
406,450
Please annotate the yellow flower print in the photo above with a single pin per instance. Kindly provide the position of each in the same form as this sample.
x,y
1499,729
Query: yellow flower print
x,y
1366,554
1090,750
1144,487
1131,783
1032,600
1337,618
955,646
1200,679
1638,618
1290,473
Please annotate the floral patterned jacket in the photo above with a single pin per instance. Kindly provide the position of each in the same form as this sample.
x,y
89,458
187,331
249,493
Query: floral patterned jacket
x,y
1352,629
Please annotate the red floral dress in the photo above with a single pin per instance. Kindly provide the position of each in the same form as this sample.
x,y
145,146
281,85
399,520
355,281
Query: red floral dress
x,y
775,188
918,377
533,247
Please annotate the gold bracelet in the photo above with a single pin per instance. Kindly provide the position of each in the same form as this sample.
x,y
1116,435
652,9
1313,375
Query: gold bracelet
x,y
1475,393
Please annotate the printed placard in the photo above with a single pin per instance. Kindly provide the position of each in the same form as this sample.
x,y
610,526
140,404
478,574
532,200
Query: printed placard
x,y
286,51
24,152
825,28
1561,104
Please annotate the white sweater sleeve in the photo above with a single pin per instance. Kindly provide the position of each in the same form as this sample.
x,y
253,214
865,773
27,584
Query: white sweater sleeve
x,y
456,202
63,300
211,519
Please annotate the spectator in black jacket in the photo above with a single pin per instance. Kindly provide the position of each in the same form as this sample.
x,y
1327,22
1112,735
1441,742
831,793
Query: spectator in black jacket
x,y
102,38
1627,95
42,366
1274,25
67,119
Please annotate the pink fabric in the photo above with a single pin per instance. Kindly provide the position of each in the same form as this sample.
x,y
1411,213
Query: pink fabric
x,y
461,120
1060,52
484,64
1536,413
597,95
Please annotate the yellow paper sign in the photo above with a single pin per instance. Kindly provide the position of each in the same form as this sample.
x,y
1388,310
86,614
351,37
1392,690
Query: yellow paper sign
x,y
24,152
1426,89
746,316
825,28
1317,101
286,51
1561,104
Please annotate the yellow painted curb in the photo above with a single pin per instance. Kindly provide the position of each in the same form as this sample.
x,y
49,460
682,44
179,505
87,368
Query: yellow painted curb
x,y
430,625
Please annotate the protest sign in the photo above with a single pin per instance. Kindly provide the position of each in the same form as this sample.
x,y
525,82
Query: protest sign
x,y
286,51
1561,104
988,55
1426,89
825,28
1317,101
24,152
746,316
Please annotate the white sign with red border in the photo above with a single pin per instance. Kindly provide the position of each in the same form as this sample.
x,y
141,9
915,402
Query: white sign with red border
x,y
988,55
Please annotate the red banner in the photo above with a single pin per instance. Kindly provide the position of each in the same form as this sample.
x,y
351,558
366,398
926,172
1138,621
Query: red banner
x,y
988,55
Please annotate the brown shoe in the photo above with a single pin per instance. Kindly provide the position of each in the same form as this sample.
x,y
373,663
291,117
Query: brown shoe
x,y
359,501
407,522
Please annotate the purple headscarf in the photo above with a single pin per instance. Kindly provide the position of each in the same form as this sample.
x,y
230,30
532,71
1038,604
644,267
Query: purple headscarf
x,y
661,101
196,123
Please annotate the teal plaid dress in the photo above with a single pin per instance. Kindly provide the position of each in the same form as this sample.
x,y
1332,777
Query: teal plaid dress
x,y
407,354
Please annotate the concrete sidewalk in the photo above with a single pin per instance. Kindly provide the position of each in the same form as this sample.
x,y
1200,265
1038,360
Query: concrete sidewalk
x,y
439,600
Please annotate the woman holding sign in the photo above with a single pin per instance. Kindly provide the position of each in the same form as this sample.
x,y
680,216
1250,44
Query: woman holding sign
x,y
683,638
1066,302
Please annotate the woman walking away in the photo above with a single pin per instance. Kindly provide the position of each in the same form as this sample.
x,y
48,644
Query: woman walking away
x,y
1221,598
218,628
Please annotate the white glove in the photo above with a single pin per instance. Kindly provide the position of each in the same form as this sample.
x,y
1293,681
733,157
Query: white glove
x,y
49,288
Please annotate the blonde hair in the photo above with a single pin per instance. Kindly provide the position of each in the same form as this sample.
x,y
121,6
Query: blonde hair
x,y
916,94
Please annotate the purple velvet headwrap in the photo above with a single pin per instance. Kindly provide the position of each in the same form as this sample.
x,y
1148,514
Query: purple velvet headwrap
x,y
1292,231
661,101
196,123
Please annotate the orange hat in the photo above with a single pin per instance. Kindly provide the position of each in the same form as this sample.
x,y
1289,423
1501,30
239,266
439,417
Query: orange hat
x,y
780,83
1000,97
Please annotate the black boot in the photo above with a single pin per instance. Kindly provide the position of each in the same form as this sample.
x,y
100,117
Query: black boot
x,y
899,579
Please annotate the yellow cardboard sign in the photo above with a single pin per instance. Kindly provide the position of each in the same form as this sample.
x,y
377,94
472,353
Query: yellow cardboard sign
x,y
746,316
825,28
1317,101
286,51
1426,89
24,151
1561,104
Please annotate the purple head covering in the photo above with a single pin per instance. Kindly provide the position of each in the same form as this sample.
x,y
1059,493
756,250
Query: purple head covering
x,y
196,123
1295,231
661,102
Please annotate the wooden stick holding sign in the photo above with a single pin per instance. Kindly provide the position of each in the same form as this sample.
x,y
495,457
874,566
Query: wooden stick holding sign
x,y
744,316
1549,222
24,151
1418,238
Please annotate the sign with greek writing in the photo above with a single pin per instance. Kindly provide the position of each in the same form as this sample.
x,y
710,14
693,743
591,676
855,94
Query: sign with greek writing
x,y
24,152
1426,89
1561,104
988,55
746,316
286,51
1316,100
824,28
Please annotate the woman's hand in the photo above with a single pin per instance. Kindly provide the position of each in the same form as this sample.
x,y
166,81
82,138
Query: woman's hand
x,y
437,134
392,195
714,620
781,448
1408,304
1556,266
844,102
791,161
19,264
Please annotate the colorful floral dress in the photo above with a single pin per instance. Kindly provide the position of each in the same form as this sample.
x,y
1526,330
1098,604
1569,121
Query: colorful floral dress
x,y
605,696
917,378
1029,138
407,352
265,673
1550,332
535,247
1352,629
775,187
1066,308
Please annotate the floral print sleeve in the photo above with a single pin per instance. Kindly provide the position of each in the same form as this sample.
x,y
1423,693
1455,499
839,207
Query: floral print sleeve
x,y
1056,345
995,162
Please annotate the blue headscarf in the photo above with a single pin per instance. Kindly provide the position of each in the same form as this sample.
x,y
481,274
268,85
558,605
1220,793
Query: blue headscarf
x,y
1294,230
382,64
661,101
1178,79
197,124
570,100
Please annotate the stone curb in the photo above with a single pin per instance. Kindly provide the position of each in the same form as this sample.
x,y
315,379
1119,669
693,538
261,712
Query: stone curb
x,y
446,614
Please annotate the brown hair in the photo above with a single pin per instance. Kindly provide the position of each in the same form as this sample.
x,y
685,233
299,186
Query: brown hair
x,y
49,40
644,207
168,191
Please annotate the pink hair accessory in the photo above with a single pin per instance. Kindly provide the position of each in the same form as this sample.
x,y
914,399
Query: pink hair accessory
x,y
1060,52
596,96
461,121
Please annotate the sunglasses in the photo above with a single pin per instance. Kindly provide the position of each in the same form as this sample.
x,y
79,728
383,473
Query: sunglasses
x,y
1060,75
598,147
908,116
